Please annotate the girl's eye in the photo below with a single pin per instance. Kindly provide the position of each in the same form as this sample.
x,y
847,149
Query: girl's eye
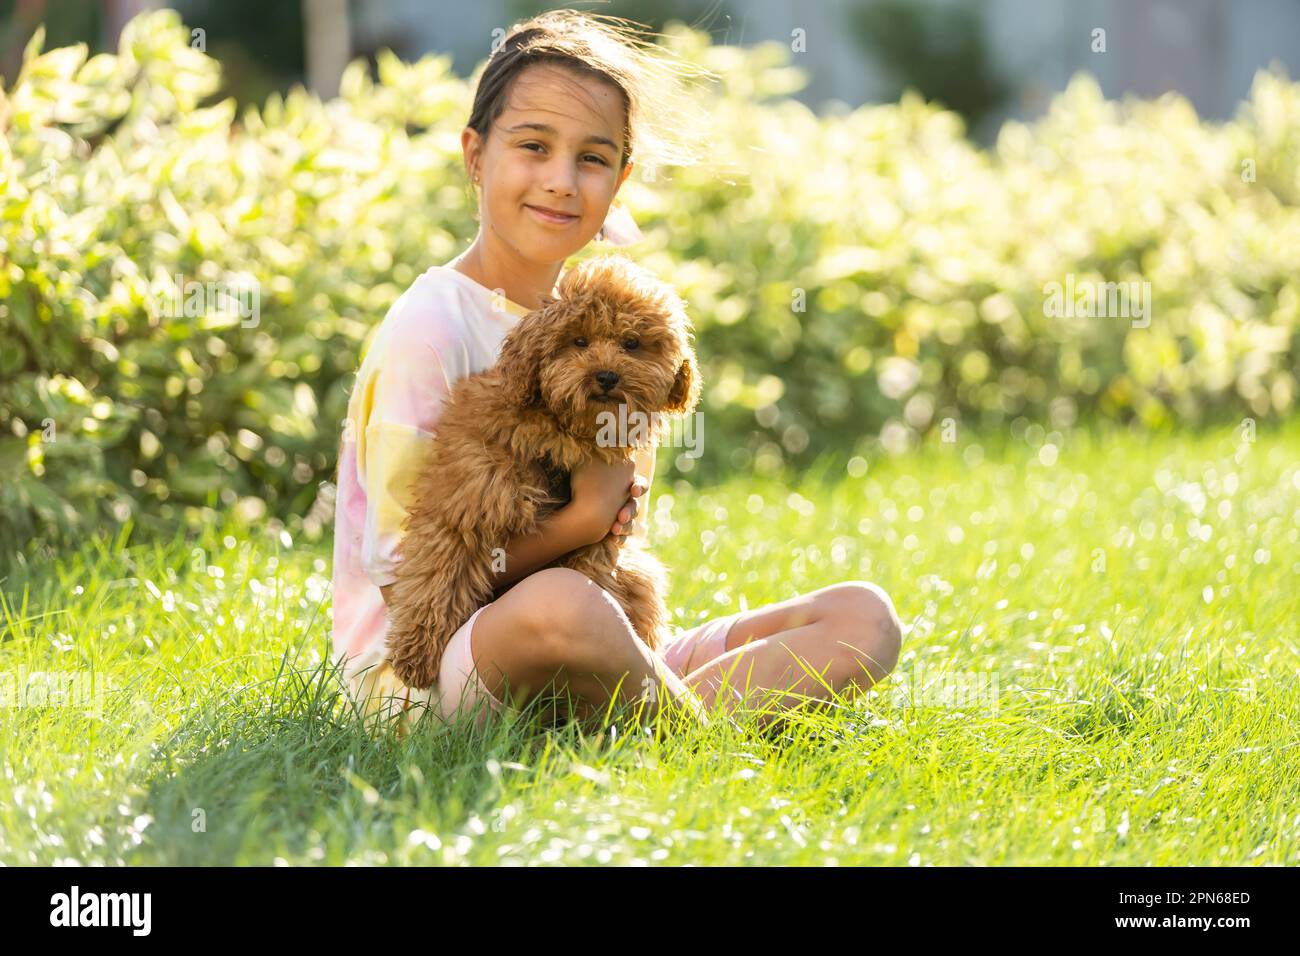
x,y
631,344
594,156
580,343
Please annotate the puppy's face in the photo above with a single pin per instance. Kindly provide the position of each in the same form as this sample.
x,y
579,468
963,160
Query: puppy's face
x,y
616,336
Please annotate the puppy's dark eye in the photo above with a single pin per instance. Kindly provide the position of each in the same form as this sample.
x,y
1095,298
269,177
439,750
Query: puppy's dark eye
x,y
580,343
631,344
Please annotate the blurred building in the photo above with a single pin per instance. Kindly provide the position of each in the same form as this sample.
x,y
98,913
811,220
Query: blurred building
x,y
989,60
1208,50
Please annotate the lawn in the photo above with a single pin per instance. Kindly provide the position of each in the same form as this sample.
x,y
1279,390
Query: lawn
x,y
1099,667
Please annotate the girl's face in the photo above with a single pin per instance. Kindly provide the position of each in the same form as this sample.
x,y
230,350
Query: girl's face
x,y
571,166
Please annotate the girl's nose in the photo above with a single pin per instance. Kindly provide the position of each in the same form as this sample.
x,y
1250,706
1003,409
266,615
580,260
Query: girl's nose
x,y
560,179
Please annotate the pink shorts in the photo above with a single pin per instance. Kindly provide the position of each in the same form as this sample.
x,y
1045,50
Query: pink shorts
x,y
460,684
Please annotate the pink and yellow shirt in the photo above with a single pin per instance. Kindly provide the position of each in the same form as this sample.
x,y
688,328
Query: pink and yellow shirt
x,y
443,327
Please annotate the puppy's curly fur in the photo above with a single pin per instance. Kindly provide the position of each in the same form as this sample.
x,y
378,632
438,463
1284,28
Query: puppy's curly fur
x,y
509,437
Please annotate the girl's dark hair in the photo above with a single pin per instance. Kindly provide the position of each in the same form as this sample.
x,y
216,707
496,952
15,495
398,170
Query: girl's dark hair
x,y
613,50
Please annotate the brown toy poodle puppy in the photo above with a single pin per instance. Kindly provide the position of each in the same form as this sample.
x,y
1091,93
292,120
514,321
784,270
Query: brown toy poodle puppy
x,y
509,437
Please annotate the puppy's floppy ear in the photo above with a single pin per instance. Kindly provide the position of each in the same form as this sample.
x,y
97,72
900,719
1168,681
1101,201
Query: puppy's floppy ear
x,y
686,387
519,362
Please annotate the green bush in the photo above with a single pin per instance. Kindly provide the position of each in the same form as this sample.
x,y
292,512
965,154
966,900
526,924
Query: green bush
x,y
853,276
115,182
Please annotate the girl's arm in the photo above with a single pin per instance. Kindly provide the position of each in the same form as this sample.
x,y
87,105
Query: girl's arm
x,y
583,521
560,532
565,530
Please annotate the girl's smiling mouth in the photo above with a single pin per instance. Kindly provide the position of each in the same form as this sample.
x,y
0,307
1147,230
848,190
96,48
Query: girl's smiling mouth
x,y
552,218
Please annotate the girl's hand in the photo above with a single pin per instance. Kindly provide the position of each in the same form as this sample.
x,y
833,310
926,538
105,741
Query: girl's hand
x,y
605,496
623,522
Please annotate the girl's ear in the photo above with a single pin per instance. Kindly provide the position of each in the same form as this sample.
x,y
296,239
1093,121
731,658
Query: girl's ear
x,y
520,359
686,387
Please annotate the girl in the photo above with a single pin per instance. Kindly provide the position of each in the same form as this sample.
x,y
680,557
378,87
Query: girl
x,y
549,144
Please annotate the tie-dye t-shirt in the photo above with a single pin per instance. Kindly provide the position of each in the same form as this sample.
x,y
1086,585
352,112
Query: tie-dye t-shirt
x,y
443,327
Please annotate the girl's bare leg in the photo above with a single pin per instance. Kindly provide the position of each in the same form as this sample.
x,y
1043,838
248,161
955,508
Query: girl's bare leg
x,y
780,656
557,631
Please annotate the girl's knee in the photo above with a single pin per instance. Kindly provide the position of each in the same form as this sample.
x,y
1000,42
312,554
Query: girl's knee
x,y
570,613
865,619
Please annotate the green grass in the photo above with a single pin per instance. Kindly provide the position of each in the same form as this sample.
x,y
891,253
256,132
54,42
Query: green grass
x,y
1099,667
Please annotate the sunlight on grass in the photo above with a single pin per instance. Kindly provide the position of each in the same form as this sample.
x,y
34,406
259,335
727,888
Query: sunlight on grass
x,y
1099,667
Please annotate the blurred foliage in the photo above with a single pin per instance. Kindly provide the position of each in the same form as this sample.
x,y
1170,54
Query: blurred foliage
x,y
856,281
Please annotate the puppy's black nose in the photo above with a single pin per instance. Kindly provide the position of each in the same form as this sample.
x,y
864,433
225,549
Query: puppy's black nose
x,y
607,379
